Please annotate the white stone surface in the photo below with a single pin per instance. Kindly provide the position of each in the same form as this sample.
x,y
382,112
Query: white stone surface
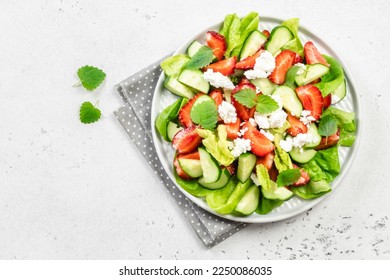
x,y
74,191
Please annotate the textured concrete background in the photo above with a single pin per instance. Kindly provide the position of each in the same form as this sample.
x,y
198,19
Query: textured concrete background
x,y
74,191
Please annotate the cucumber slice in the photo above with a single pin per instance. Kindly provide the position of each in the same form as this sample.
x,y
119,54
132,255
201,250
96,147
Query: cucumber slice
x,y
194,48
316,136
249,202
246,163
223,180
174,86
302,155
275,192
279,36
194,79
313,72
290,100
252,44
265,85
340,92
201,99
211,170
191,166
172,129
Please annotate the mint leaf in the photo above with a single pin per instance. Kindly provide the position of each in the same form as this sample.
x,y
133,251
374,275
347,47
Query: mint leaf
x,y
205,114
90,77
89,113
246,97
328,126
202,57
266,104
288,177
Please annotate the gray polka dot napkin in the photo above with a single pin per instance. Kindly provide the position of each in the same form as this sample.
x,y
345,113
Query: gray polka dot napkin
x,y
137,93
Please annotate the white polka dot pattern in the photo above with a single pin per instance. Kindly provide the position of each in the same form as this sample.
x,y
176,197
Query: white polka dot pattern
x,y
134,115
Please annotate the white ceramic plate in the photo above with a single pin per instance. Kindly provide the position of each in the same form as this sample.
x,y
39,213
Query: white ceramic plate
x,y
162,98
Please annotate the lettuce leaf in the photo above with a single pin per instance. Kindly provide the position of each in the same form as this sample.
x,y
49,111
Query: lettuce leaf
x,y
331,80
217,145
312,190
170,113
267,205
226,25
248,24
324,165
346,124
282,159
233,36
295,44
173,65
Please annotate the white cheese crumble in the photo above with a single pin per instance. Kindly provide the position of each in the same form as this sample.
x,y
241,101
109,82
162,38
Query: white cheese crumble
x,y
306,117
261,120
264,66
286,145
254,179
277,119
227,112
218,80
302,68
252,122
242,132
241,146
296,142
267,134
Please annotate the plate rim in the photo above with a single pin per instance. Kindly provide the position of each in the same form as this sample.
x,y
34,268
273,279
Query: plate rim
x,y
259,219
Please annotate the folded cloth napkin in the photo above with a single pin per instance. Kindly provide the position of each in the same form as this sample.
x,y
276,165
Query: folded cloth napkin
x,y
137,93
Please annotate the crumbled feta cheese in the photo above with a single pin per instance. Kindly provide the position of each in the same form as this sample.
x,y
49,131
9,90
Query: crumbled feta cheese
x,y
241,146
306,117
286,145
254,179
261,120
227,112
218,80
301,139
242,131
264,66
302,68
267,134
252,122
277,119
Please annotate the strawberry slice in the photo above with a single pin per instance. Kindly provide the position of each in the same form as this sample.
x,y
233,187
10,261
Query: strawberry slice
x,y
311,99
260,145
186,140
232,129
267,160
283,62
266,33
182,174
244,81
225,67
184,114
297,126
243,112
304,179
217,43
298,59
249,62
231,168
273,173
327,102
327,142
217,96
312,55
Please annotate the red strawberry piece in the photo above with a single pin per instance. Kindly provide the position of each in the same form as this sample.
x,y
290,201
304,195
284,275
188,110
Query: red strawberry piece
x,y
266,33
244,81
327,102
217,43
260,145
267,160
273,173
249,62
304,179
283,62
184,114
312,55
225,67
297,127
311,99
217,96
231,168
298,59
243,112
182,174
232,129
186,140
327,142
316,81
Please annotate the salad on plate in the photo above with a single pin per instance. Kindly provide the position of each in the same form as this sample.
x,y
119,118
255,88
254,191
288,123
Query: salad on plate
x,y
254,122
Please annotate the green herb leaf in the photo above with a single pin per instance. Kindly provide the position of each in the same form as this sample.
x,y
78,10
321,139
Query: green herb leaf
x,y
90,77
328,126
266,104
246,97
202,57
288,177
205,114
89,113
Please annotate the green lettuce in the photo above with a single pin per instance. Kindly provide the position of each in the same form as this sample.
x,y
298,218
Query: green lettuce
x,y
170,113
282,159
217,144
331,80
233,37
173,65
267,205
312,190
346,124
324,165
226,25
295,44
263,177
192,186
